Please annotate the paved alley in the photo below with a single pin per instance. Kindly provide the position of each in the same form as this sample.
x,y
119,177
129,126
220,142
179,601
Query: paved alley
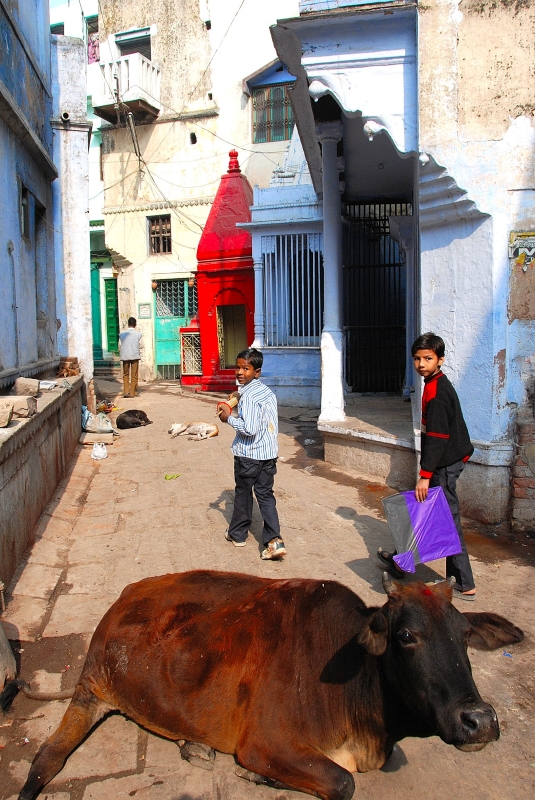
x,y
119,520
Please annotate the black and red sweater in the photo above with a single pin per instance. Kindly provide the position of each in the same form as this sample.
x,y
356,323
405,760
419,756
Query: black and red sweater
x,y
445,438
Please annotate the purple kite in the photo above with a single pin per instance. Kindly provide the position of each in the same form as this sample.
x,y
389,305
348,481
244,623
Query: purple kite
x,y
421,531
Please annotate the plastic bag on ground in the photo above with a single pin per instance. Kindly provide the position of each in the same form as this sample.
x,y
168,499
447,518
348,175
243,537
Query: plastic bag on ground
x,y
421,531
99,451
95,423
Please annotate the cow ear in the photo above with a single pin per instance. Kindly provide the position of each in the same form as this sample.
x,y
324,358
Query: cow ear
x,y
373,636
490,631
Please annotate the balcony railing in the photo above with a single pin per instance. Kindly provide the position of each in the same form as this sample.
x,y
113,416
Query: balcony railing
x,y
307,6
133,80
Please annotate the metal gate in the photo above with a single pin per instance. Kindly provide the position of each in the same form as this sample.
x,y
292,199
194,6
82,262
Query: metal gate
x,y
176,304
374,298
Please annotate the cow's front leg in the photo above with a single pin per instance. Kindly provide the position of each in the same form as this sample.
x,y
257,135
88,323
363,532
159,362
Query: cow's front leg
x,y
84,711
303,769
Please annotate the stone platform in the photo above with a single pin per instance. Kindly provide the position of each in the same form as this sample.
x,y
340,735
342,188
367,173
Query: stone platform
x,y
376,440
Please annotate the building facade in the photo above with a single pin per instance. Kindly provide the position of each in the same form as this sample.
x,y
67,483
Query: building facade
x,y
180,85
43,257
420,148
28,319
81,21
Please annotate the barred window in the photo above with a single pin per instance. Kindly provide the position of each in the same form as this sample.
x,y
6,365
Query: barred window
x,y
171,299
160,234
273,119
176,298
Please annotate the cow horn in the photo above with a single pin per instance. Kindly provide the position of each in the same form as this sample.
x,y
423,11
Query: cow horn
x,y
389,585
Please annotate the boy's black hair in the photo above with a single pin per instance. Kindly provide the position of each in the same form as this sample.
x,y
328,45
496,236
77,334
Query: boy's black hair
x,y
132,322
429,341
252,356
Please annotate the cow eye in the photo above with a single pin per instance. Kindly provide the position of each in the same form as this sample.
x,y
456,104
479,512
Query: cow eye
x,y
406,637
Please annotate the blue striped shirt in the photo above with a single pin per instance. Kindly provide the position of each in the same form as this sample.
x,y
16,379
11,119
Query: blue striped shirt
x,y
257,424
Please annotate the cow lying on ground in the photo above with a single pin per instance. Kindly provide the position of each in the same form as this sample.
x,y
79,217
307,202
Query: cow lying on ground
x,y
200,430
133,418
297,678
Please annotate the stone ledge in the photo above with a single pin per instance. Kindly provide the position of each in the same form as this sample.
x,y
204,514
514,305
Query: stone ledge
x,y
345,432
20,430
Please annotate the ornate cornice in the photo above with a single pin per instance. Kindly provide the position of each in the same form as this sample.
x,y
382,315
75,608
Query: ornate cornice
x,y
442,201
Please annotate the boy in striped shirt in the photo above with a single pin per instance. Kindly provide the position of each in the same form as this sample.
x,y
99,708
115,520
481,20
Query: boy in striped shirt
x,y
255,450
446,447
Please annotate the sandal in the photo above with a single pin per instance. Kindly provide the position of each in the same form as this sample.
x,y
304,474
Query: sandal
x,y
387,560
458,595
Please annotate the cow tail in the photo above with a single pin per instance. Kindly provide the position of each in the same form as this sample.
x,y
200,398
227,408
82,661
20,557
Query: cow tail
x,y
14,687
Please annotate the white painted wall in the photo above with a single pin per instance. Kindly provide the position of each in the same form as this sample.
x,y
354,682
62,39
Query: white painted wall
x,y
71,201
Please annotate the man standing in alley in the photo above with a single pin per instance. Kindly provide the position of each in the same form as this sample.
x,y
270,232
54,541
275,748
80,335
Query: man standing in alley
x,y
129,350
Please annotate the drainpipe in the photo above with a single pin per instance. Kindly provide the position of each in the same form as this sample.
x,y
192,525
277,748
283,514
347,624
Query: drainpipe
x,y
332,344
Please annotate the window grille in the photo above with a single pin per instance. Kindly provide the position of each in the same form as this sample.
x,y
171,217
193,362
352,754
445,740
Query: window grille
x,y
293,290
220,338
140,45
168,372
192,300
191,353
160,234
374,298
273,119
171,299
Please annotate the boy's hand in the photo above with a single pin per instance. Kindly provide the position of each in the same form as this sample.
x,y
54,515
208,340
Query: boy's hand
x,y
421,490
224,414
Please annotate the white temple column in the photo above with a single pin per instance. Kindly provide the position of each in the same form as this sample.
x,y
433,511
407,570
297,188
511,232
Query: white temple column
x,y
332,342
258,264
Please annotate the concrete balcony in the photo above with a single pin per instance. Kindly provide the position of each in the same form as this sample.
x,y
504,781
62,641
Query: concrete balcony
x,y
132,80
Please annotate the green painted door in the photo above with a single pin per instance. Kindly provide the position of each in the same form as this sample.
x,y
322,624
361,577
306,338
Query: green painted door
x,y
112,314
175,305
96,318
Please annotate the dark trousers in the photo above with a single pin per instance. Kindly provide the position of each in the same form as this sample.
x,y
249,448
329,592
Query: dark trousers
x,y
458,566
257,475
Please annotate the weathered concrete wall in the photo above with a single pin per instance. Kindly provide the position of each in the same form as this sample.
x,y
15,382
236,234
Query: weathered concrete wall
x,y
33,456
476,120
71,229
377,461
293,374
27,293
523,479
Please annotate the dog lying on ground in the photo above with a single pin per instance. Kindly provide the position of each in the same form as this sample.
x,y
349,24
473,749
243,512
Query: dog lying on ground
x,y
133,418
199,430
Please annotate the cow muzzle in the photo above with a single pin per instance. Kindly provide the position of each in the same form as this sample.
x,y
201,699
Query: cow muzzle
x,y
477,727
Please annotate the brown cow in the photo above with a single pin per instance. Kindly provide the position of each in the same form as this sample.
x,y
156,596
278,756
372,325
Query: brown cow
x,y
297,678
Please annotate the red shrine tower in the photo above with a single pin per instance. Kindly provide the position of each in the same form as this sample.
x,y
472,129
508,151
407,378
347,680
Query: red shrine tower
x,y
225,281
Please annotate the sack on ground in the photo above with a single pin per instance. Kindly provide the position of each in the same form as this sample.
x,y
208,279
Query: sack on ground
x,y
99,451
95,423
8,666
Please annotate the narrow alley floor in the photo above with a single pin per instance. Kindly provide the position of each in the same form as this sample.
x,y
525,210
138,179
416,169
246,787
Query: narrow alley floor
x,y
118,520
